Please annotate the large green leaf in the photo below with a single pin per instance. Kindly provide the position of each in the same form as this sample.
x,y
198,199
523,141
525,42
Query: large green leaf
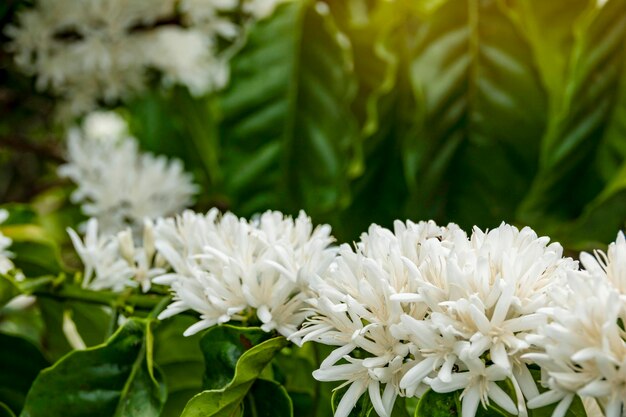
x,y
181,361
475,153
114,379
228,400
578,123
20,362
289,139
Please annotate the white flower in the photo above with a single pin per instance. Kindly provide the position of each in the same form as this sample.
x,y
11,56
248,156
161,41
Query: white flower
x,y
357,307
490,289
115,262
5,262
610,266
260,9
125,187
227,268
582,350
187,57
89,52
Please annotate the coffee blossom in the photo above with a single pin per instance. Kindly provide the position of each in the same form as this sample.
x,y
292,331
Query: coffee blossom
x,y
227,268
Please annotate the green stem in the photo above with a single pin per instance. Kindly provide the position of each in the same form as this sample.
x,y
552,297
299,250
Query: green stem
x,y
108,298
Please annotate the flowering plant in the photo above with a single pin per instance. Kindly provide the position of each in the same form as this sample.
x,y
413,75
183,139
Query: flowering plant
x,y
312,208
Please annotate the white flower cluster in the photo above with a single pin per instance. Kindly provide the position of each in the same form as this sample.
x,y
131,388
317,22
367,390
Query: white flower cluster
x,y
114,262
102,50
227,268
582,350
116,183
429,307
5,256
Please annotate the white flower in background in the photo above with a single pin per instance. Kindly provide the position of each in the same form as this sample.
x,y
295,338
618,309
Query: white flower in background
x,y
582,349
260,9
5,262
357,304
184,56
116,183
115,262
227,268
89,52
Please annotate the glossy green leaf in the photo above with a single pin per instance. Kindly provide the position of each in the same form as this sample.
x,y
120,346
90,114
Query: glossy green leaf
x,y
577,126
20,362
289,139
433,404
222,346
473,157
181,361
268,399
229,399
114,379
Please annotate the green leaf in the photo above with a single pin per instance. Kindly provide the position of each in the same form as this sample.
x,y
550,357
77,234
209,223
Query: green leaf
x,y
289,139
114,379
475,152
181,361
20,362
228,401
5,411
268,399
433,404
8,290
92,323
577,125
222,346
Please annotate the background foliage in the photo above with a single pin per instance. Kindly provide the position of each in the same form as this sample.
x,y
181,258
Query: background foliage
x,y
357,111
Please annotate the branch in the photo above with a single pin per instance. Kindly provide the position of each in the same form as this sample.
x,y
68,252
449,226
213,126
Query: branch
x,y
23,145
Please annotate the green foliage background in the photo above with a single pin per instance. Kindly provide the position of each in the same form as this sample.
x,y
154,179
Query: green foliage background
x,y
472,111
357,111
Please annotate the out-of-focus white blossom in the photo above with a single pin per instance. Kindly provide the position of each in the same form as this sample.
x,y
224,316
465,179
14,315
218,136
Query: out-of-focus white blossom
x,y
96,51
5,256
260,9
227,268
116,261
116,183
582,349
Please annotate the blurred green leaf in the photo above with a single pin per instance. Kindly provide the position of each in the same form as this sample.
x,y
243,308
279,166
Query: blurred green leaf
x,y
476,151
268,399
8,290
20,362
114,379
289,139
577,125
92,323
5,411
228,400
